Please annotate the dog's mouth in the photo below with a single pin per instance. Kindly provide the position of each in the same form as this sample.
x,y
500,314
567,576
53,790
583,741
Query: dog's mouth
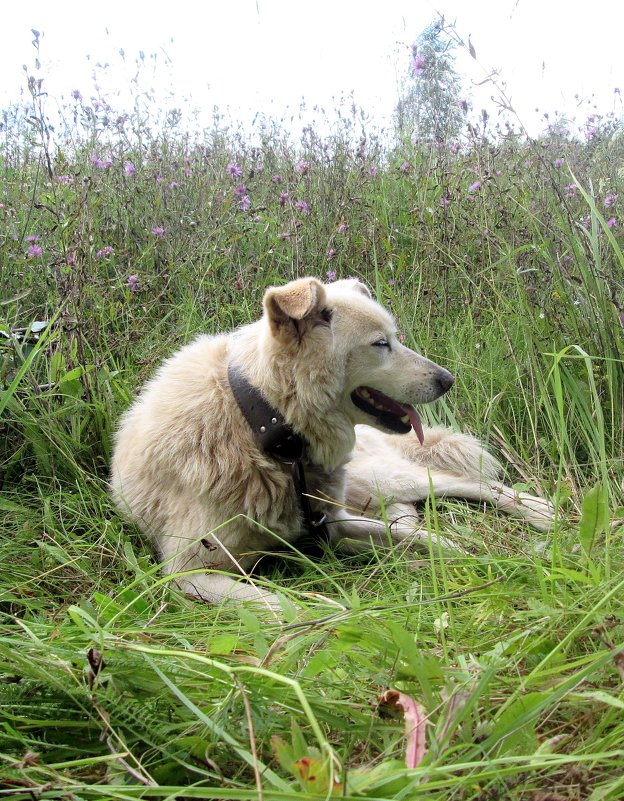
x,y
397,417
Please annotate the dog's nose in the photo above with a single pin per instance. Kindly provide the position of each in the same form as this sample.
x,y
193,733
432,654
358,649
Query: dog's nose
x,y
445,380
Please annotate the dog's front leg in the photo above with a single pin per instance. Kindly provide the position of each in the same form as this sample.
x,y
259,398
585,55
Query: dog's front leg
x,y
218,588
194,573
355,534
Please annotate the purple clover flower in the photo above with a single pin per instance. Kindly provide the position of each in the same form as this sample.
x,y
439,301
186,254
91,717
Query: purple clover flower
x,y
570,190
277,179
302,206
129,168
331,275
34,251
331,253
610,222
418,64
97,162
283,198
64,179
406,167
475,186
158,231
244,203
32,238
341,228
133,282
609,201
373,172
559,162
235,170
105,252
303,167
240,190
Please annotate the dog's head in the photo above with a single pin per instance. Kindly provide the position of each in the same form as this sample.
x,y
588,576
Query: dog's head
x,y
348,342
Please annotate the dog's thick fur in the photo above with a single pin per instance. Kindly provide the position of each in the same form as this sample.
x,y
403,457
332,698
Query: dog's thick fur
x,y
187,469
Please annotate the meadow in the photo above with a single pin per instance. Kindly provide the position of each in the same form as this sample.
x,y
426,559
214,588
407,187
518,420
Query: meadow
x,y
496,674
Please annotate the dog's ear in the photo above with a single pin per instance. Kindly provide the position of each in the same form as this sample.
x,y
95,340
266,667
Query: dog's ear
x,y
288,306
355,286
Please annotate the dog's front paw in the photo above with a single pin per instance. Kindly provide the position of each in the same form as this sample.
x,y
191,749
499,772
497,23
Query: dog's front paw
x,y
420,539
538,512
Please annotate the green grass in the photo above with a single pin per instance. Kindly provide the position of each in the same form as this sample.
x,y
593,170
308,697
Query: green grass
x,y
114,686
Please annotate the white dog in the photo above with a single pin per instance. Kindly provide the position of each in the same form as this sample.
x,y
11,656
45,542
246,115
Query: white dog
x,y
243,440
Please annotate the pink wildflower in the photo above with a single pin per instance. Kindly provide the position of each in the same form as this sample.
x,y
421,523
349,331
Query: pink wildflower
x,y
34,251
158,231
475,186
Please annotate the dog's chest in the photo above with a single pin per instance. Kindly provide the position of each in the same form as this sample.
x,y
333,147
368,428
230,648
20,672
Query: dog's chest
x,y
325,488
319,488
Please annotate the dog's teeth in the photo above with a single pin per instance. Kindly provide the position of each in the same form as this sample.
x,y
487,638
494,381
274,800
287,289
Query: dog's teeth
x,y
405,419
365,393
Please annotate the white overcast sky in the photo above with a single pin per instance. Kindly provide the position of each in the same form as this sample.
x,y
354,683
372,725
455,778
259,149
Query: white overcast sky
x,y
266,55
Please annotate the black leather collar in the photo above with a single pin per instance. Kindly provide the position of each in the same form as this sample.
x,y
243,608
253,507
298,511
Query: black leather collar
x,y
273,434
277,439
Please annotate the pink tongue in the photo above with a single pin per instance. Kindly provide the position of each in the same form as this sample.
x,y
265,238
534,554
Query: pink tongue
x,y
415,421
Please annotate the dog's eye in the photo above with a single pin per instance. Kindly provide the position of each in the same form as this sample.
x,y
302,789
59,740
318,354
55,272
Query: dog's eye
x,y
381,343
326,315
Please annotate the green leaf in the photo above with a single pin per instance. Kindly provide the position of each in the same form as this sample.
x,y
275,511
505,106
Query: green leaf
x,y
594,518
515,728
600,697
